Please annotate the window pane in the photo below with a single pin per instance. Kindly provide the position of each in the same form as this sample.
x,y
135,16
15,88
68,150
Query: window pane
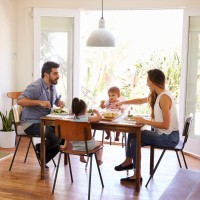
x,y
193,76
56,40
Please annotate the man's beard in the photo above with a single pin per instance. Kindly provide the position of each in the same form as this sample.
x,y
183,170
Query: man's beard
x,y
53,82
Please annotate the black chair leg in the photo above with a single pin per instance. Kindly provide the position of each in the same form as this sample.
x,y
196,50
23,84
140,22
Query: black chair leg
x,y
27,150
35,152
54,184
94,133
178,159
15,153
54,162
70,168
110,139
88,158
99,171
123,136
154,170
184,159
90,175
103,136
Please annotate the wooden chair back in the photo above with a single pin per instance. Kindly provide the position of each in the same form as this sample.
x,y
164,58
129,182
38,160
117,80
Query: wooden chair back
x,y
17,109
13,96
73,130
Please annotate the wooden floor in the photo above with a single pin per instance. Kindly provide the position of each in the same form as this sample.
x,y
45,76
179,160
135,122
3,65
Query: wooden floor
x,y
24,183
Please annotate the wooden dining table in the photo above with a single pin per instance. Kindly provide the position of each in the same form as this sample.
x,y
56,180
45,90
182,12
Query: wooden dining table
x,y
119,124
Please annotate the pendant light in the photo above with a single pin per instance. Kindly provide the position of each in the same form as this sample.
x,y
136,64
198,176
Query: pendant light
x,y
101,37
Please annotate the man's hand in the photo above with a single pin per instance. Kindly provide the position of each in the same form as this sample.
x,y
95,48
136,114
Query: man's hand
x,y
45,104
60,103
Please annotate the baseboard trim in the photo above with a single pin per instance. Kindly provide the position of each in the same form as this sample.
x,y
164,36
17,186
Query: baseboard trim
x,y
192,154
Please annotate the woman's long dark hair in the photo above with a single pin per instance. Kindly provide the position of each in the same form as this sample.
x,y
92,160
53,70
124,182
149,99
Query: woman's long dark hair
x,y
78,106
157,77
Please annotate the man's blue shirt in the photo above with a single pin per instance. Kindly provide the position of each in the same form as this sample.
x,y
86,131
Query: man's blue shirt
x,y
38,90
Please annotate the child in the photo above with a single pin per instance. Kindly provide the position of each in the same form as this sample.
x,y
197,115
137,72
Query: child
x,y
79,109
113,94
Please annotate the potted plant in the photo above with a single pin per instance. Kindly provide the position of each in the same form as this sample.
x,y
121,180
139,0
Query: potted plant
x,y
7,134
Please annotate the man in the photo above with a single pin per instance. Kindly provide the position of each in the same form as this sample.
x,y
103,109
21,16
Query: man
x,y
37,100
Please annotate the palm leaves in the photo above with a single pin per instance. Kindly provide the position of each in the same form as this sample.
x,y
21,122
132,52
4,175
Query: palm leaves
x,y
7,121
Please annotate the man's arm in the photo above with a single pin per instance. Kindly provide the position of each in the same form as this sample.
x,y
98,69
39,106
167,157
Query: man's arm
x,y
30,102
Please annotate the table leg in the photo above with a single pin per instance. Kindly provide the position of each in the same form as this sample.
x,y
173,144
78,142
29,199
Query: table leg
x,y
65,159
138,159
42,148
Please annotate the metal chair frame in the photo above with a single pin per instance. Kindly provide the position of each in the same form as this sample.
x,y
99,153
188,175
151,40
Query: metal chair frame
x,y
76,131
16,119
178,148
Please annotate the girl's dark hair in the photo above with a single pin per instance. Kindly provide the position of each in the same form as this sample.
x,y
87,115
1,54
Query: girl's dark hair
x,y
47,67
78,106
157,77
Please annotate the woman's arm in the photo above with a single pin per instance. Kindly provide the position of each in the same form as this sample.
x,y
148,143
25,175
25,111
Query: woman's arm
x,y
133,101
165,105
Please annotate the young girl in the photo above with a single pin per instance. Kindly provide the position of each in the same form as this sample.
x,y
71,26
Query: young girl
x,y
79,109
113,94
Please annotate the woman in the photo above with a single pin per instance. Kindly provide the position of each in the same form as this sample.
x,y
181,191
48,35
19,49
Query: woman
x,y
164,121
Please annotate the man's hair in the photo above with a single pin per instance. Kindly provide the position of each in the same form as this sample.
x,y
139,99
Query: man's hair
x,y
47,67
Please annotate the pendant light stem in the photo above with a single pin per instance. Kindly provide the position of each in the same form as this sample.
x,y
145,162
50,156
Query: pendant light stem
x,y
102,10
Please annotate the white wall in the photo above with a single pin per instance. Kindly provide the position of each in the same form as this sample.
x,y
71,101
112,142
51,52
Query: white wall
x,y
7,50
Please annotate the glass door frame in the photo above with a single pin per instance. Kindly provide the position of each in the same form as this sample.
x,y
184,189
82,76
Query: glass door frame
x,y
192,145
40,12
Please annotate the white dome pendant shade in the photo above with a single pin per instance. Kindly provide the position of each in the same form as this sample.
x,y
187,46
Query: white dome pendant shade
x,y
101,37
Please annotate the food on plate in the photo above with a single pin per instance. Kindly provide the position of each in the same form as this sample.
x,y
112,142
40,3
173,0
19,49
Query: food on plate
x,y
90,112
111,113
59,111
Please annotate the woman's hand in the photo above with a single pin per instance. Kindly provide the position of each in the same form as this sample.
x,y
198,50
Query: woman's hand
x,y
117,105
139,120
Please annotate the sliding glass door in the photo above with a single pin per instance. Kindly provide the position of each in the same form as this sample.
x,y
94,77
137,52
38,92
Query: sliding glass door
x,y
54,40
190,87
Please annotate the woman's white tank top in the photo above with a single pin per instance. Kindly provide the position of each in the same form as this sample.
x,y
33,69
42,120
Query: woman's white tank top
x,y
173,115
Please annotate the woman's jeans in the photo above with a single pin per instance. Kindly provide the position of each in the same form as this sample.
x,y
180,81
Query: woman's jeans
x,y
150,138
51,142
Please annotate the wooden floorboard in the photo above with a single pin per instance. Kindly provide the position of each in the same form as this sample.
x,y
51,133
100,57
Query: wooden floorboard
x,y
24,182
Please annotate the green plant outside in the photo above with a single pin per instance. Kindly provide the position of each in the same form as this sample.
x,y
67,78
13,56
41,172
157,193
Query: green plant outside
x,y
99,76
7,121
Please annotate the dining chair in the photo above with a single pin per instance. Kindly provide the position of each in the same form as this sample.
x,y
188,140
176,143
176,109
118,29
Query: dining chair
x,y
123,144
13,96
76,131
17,109
178,148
